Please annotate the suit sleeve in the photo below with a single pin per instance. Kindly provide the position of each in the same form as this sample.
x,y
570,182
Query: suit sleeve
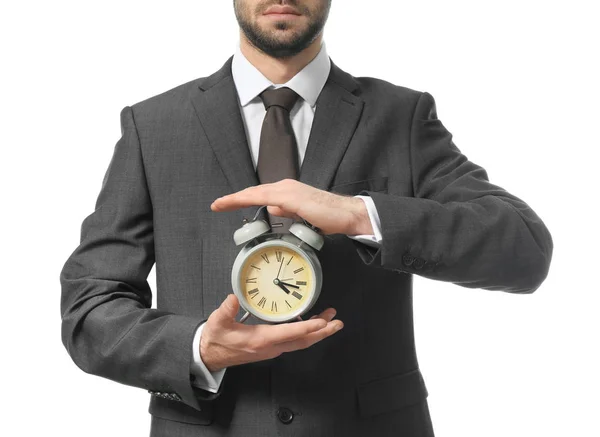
x,y
458,227
108,326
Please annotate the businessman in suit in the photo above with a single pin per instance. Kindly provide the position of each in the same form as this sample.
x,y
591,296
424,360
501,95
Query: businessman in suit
x,y
366,161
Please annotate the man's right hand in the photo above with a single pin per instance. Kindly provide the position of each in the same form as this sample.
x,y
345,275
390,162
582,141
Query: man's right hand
x,y
225,342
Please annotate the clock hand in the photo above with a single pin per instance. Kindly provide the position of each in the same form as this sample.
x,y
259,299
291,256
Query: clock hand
x,y
289,285
280,264
280,285
284,288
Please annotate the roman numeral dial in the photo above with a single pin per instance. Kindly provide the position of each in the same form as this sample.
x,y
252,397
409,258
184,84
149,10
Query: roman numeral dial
x,y
276,280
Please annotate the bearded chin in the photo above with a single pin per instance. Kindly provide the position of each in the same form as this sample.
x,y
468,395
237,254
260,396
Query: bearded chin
x,y
282,48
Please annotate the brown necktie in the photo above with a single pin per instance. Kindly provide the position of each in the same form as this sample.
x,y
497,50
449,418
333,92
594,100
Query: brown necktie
x,y
278,152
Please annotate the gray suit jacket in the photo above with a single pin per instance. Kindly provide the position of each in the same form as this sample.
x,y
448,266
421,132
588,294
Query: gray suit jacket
x,y
440,217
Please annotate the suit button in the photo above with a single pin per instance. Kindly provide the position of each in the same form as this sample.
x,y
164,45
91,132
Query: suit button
x,y
285,415
407,259
419,263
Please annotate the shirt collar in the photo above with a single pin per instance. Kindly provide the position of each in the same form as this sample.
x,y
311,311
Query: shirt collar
x,y
307,83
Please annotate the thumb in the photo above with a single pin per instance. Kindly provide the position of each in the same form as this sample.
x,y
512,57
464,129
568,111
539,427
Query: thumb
x,y
280,212
229,307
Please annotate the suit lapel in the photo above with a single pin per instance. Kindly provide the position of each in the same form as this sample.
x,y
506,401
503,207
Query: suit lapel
x,y
336,117
217,108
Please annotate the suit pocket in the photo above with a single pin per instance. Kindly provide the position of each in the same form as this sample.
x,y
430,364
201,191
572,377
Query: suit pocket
x,y
390,393
180,412
354,187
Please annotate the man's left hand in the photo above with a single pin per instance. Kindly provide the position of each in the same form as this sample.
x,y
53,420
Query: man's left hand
x,y
331,213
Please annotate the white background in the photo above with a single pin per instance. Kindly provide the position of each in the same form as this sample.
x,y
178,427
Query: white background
x,y
516,82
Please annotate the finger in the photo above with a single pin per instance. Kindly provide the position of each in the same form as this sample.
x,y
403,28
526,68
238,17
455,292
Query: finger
x,y
228,308
273,334
309,339
273,194
279,212
328,314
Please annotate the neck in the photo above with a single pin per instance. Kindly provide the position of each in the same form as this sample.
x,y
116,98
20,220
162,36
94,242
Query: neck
x,y
279,71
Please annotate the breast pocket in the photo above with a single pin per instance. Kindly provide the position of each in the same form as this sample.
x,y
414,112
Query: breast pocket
x,y
352,188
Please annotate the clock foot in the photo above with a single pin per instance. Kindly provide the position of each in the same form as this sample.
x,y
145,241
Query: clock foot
x,y
244,317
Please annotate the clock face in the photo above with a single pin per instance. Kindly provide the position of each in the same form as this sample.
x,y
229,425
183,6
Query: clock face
x,y
276,280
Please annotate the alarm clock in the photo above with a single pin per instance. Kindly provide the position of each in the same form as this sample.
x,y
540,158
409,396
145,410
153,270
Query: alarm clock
x,y
276,277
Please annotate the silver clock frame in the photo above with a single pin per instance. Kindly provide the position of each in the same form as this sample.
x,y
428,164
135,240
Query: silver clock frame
x,y
271,240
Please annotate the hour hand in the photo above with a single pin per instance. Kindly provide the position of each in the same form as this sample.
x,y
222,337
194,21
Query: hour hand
x,y
289,285
280,285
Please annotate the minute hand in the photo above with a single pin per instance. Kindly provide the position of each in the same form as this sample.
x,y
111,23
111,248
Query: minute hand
x,y
289,285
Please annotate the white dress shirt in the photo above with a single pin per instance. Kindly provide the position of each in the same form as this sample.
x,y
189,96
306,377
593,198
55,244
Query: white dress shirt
x,y
250,82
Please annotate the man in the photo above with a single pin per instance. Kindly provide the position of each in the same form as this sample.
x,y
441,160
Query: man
x,y
365,161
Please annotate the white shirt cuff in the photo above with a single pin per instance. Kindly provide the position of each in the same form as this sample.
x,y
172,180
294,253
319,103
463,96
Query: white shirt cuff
x,y
374,239
205,379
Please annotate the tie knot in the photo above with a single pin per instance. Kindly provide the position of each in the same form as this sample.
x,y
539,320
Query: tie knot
x,y
284,97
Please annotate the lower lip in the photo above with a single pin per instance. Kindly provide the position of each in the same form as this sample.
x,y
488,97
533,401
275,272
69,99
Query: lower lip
x,y
282,15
